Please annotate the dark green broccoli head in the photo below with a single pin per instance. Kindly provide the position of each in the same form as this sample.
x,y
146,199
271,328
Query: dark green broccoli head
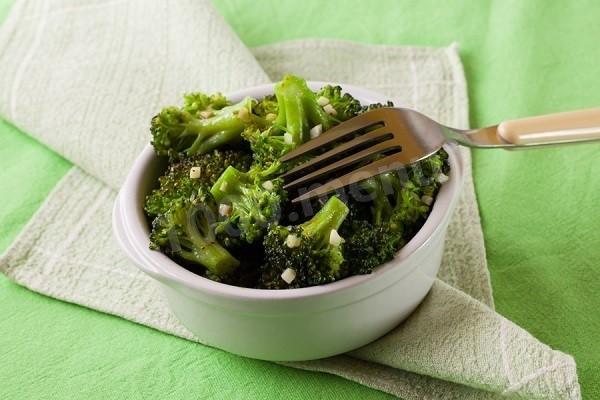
x,y
247,203
344,104
177,131
177,182
406,196
426,173
185,233
399,203
367,246
309,250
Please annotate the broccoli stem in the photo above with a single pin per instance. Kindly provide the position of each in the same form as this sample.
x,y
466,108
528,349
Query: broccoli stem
x,y
251,206
329,217
291,111
225,127
207,250
233,182
298,109
212,256
382,208
229,183
198,244
316,114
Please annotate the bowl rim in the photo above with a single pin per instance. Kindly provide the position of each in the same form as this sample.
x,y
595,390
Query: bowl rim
x,y
129,230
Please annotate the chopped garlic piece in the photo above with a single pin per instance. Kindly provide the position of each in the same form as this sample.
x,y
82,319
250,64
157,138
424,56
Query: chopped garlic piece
x,y
442,178
335,239
323,101
287,138
206,114
292,241
330,110
224,210
270,117
315,131
427,199
195,172
244,115
223,187
268,185
288,275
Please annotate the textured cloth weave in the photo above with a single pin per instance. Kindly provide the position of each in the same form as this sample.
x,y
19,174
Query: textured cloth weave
x,y
82,79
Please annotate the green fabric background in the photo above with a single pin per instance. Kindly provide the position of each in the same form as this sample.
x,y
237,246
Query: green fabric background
x,y
540,209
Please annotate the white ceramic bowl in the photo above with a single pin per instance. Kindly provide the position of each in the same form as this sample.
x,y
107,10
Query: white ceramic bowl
x,y
293,324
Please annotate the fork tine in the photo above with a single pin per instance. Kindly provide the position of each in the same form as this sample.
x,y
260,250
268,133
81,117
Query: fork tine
x,y
345,162
367,137
383,165
337,132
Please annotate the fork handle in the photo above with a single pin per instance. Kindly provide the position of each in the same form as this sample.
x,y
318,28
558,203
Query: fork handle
x,y
573,126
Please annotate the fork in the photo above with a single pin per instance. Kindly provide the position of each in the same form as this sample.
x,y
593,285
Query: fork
x,y
391,138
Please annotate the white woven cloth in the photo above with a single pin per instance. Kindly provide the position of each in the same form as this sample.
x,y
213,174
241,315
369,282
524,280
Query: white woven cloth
x,y
85,79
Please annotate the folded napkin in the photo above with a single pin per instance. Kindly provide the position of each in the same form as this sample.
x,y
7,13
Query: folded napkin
x,y
84,78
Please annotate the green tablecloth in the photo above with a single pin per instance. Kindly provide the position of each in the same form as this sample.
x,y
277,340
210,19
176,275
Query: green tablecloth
x,y
539,209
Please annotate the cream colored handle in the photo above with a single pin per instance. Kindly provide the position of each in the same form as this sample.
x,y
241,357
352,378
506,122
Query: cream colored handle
x,y
573,126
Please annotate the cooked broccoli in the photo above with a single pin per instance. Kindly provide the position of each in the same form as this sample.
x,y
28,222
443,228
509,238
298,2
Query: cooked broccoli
x,y
344,104
400,203
405,196
293,111
216,205
177,183
309,249
368,246
267,108
196,103
298,110
185,131
247,201
268,146
185,232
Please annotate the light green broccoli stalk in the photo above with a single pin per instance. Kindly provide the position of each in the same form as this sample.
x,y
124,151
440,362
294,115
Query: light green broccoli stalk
x,y
185,130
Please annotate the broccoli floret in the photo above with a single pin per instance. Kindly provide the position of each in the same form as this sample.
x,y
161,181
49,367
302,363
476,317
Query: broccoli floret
x,y
288,117
268,143
400,203
176,183
247,201
306,249
195,103
374,237
344,104
367,245
267,108
298,110
185,232
405,196
395,201
268,146
178,131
